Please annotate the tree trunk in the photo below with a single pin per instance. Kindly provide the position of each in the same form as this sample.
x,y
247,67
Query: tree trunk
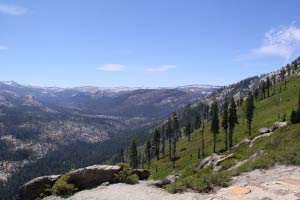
x,y
226,140
202,143
170,147
215,139
230,138
174,152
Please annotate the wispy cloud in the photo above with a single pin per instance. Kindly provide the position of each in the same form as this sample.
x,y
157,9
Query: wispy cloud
x,y
2,47
282,41
112,67
163,68
12,9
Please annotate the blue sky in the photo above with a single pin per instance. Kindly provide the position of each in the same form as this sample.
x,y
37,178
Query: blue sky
x,y
145,43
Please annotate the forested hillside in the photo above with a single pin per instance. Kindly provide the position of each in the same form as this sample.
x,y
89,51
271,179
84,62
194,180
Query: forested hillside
x,y
237,123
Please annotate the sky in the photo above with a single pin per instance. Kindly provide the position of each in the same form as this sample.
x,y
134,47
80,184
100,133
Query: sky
x,y
151,43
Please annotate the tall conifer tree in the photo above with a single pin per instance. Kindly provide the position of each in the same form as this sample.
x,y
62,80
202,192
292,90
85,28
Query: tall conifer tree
x,y
249,112
214,128
225,121
232,120
133,154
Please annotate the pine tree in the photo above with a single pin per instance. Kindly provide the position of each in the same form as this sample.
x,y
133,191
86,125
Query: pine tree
x,y
188,130
274,79
249,112
284,117
175,137
169,135
133,157
284,84
299,99
232,120
202,139
142,160
293,117
297,118
122,155
148,153
256,93
263,89
214,124
268,85
163,144
206,112
197,120
139,159
156,142
225,121
288,68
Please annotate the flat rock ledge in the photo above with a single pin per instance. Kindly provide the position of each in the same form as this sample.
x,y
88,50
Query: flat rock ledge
x,y
92,176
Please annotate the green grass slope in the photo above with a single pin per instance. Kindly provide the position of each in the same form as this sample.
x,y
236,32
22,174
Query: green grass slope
x,y
281,147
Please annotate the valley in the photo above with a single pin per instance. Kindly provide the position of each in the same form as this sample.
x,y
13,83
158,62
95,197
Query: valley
x,y
37,123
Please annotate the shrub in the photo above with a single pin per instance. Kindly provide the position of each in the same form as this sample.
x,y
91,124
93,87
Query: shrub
x,y
204,181
125,175
176,187
208,181
61,187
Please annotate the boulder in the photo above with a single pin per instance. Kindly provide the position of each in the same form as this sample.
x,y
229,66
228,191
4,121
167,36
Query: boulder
x,y
92,176
33,188
207,162
277,125
212,160
143,174
170,179
264,130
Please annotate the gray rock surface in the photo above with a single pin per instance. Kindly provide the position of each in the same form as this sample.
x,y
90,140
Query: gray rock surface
x,y
264,130
277,125
93,175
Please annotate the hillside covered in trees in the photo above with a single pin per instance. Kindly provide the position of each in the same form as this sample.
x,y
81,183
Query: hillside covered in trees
x,y
230,131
